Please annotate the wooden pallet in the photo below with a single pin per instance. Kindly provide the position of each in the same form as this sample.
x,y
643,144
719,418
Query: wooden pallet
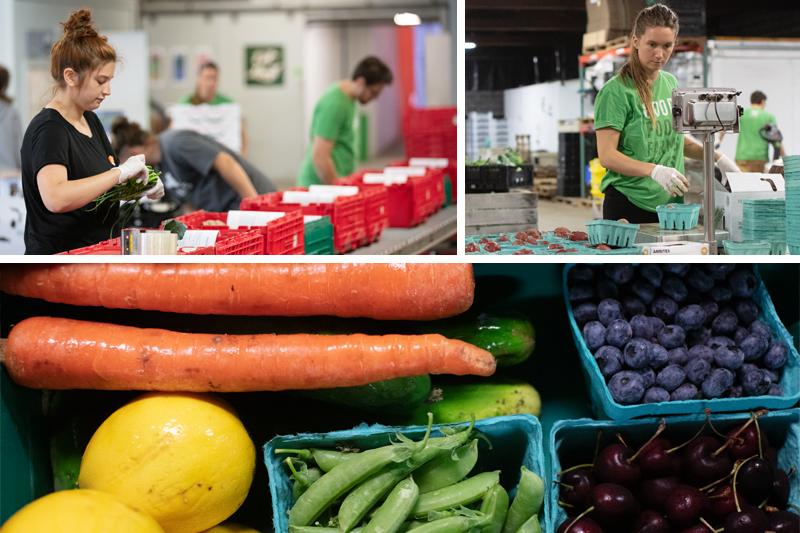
x,y
619,42
545,187
574,201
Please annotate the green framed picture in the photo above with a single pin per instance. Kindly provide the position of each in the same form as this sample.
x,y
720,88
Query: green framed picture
x,y
264,65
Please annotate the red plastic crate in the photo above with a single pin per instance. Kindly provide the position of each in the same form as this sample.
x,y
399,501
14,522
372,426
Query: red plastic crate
x,y
197,220
376,211
408,203
109,247
449,172
430,132
432,197
238,242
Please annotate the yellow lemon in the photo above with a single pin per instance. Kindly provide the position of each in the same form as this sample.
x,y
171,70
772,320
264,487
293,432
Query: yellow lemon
x,y
87,511
184,459
231,527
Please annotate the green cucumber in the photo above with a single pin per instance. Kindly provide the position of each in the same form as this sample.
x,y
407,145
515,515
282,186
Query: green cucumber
x,y
394,396
460,402
510,337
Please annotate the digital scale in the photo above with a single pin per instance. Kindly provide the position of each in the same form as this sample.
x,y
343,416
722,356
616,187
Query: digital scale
x,y
702,112
651,233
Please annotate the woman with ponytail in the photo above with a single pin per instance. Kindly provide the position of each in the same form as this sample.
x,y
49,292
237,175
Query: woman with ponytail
x,y
633,121
67,160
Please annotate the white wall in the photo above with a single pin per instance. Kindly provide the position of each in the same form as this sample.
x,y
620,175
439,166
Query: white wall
x,y
274,115
770,67
130,90
438,83
7,52
536,109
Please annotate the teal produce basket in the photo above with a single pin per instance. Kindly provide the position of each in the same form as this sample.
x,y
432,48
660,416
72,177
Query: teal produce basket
x,y
516,441
612,233
604,406
678,216
575,440
318,235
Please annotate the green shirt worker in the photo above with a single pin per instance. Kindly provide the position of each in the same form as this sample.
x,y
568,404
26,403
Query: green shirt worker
x,y
633,121
752,150
205,92
332,150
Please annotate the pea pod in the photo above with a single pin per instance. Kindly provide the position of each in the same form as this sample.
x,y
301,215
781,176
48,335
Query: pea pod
x,y
462,493
531,525
303,478
495,506
527,502
325,459
452,524
317,529
361,499
447,469
394,511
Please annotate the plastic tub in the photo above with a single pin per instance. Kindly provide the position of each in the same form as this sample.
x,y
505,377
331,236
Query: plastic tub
x,y
318,236
746,248
612,233
575,439
516,441
604,405
678,216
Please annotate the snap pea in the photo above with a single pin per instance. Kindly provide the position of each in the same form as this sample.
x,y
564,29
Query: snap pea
x,y
361,499
462,493
317,529
495,506
447,469
452,524
394,511
303,478
527,502
531,525
325,459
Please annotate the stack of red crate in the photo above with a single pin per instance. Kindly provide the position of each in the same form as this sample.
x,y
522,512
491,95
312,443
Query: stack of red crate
x,y
431,132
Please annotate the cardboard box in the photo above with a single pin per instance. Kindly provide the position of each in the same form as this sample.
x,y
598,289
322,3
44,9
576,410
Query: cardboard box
x,y
674,248
596,40
612,14
746,185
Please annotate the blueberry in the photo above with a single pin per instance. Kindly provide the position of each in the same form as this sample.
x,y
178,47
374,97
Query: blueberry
x,y
740,335
633,306
775,390
687,391
721,293
618,333
725,323
743,283
756,382
609,359
711,309
735,392
745,368
671,337
719,381
679,269
757,327
701,352
643,290
580,292
716,342
652,274
753,347
636,353
698,336
642,327
690,317
655,395
609,310
626,387
664,308
581,273
605,288
671,377
619,273
657,323
699,280
730,358
697,370
675,288
649,377
719,272
658,356
585,312
746,310
594,333
774,376
678,356
776,356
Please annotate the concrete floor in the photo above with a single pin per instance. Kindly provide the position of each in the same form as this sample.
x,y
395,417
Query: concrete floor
x,y
557,214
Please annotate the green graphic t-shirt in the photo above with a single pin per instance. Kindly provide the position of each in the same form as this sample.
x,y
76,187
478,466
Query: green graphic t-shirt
x,y
618,106
750,146
332,120
217,100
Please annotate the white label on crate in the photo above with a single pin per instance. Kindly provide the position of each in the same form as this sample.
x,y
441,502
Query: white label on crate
x,y
383,179
307,197
336,190
311,218
405,171
675,248
430,162
198,238
252,218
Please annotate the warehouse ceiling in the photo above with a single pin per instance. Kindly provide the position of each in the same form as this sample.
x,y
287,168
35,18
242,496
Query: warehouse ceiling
x,y
520,42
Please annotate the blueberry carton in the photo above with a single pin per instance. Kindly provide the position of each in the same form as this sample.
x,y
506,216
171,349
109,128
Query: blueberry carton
x,y
720,365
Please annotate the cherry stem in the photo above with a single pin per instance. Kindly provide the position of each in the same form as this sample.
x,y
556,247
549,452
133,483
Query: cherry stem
x,y
735,474
565,485
762,504
711,424
619,438
699,431
713,483
758,435
661,427
565,504
575,520
570,469
733,437
709,526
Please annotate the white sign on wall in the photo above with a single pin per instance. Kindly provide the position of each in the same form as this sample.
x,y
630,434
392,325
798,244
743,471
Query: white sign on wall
x,y
222,122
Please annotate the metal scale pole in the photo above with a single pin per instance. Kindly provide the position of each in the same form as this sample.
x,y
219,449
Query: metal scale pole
x,y
708,197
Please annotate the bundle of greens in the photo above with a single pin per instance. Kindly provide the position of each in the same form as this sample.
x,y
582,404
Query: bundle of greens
x,y
509,158
129,194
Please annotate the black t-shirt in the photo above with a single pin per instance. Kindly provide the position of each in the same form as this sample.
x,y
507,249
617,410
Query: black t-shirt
x,y
51,140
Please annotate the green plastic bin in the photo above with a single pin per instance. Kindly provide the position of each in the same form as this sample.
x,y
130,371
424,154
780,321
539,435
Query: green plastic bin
x,y
318,235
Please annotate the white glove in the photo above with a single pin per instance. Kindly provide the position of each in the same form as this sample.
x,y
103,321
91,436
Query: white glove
x,y
726,165
156,192
134,167
670,179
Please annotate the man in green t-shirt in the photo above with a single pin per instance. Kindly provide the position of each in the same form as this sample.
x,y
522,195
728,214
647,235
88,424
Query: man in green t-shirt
x,y
332,150
752,150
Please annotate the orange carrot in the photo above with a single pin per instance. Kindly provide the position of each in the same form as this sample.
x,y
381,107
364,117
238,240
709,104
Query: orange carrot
x,y
61,353
382,291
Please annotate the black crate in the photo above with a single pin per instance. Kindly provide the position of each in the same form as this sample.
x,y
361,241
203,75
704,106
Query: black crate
x,y
521,176
486,178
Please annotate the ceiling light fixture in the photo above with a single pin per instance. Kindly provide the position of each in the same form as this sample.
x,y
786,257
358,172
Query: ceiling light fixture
x,y
469,46
407,19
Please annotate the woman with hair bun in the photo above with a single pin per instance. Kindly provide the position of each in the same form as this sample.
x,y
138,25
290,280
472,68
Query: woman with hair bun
x,y
67,160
